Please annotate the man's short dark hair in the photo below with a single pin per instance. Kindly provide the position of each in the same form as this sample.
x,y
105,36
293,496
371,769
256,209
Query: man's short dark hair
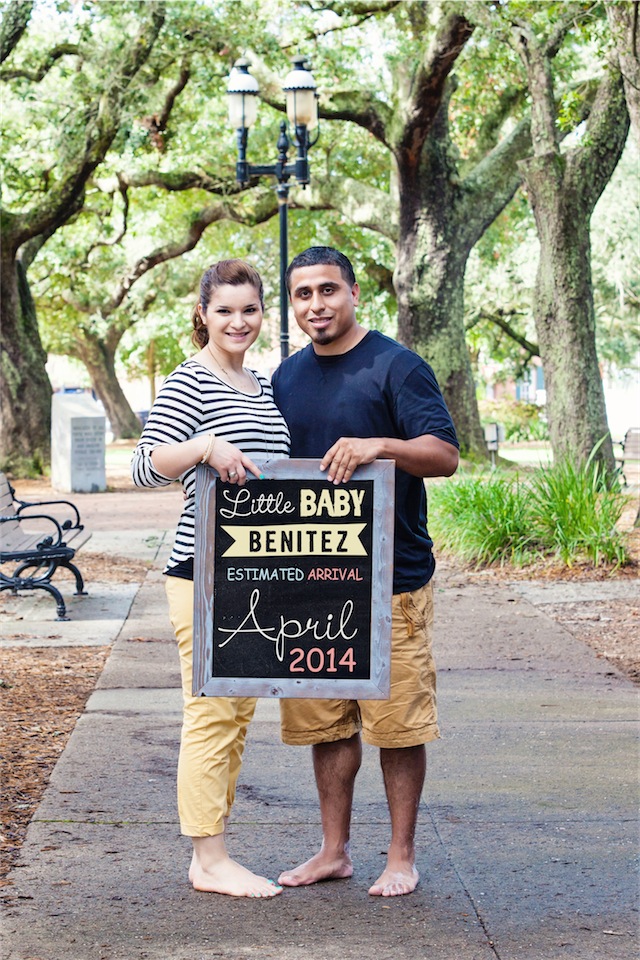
x,y
313,256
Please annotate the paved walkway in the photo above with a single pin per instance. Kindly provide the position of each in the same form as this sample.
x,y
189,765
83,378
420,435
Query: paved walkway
x,y
528,833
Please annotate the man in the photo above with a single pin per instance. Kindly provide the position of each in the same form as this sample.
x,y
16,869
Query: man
x,y
349,397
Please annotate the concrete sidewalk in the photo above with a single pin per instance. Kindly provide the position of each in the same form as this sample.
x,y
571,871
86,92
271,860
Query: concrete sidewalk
x,y
527,836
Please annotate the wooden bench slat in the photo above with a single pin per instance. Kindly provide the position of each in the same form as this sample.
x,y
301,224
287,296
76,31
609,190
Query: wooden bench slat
x,y
13,539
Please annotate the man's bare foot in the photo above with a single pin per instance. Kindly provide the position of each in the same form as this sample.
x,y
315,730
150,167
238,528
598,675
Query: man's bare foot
x,y
227,876
322,866
395,883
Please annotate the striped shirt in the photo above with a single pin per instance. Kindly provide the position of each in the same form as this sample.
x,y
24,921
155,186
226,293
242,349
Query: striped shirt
x,y
193,401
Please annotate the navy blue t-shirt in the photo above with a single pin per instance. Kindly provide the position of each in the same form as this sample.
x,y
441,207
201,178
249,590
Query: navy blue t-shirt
x,y
377,389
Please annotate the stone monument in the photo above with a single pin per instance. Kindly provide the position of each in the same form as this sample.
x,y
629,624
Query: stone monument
x,y
77,444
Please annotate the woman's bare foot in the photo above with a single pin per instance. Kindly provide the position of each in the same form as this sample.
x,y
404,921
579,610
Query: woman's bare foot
x,y
322,866
213,871
395,883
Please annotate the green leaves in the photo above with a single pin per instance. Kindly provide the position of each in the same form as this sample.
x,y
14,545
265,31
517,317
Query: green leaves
x,y
567,511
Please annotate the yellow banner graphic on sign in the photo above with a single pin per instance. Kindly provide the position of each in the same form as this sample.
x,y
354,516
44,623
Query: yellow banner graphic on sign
x,y
296,540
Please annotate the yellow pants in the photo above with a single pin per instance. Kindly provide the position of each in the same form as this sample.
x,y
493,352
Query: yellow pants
x,y
214,730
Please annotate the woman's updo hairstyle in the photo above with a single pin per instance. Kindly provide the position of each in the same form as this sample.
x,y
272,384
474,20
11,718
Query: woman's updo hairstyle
x,y
234,273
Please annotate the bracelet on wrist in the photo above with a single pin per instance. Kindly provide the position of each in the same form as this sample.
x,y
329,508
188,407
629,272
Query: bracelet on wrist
x,y
207,453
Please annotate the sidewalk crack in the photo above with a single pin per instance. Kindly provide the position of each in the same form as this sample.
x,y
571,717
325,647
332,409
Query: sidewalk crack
x,y
467,892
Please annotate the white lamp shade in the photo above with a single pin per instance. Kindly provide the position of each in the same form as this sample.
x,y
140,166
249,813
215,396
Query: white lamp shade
x,y
242,90
301,107
300,88
243,109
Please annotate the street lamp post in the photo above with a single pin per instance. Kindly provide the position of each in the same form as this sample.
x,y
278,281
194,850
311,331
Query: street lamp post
x,y
302,112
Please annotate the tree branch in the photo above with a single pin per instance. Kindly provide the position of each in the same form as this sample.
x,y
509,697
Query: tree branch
x,y
536,56
173,94
265,208
492,183
360,8
359,13
122,189
537,64
499,319
14,23
573,13
101,128
361,204
157,123
623,18
360,107
591,163
62,50
428,84
177,180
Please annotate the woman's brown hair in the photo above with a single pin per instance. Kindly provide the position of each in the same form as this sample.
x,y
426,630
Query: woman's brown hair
x,y
234,273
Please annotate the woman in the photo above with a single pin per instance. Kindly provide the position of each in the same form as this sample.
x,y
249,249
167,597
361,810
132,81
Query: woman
x,y
213,410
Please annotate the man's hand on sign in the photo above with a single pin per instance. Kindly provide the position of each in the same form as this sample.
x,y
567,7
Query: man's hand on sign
x,y
346,454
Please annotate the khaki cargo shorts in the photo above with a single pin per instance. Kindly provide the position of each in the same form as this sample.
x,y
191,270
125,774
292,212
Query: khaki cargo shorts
x,y
408,718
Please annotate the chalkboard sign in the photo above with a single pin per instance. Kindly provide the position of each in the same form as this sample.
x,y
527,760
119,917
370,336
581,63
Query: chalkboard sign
x,y
293,581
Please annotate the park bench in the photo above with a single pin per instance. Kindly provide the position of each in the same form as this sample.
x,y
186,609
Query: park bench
x,y
630,451
38,538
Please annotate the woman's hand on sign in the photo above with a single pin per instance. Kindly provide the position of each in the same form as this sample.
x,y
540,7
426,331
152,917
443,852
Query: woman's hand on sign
x,y
231,463
346,454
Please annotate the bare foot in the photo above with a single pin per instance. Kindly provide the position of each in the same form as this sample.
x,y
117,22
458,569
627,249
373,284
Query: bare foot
x,y
395,883
322,866
227,876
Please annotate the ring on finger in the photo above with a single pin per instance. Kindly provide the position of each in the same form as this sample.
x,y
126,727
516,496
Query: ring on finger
x,y
233,473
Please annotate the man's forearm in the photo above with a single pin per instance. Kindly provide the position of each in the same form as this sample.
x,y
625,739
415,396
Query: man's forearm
x,y
425,456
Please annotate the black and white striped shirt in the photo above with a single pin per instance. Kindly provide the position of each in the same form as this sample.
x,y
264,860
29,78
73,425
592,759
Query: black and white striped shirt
x,y
193,401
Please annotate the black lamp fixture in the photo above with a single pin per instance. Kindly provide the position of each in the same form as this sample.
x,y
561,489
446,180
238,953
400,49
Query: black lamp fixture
x,y
302,112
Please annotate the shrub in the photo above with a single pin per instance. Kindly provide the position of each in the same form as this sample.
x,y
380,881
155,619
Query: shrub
x,y
522,421
577,511
483,520
567,510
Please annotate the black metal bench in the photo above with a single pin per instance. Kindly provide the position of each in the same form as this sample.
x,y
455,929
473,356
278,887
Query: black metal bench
x,y
38,538
630,451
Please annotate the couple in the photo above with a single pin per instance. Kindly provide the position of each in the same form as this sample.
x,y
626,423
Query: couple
x,y
349,397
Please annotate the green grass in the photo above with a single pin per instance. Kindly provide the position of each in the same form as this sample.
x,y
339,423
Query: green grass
x,y
483,520
566,510
576,512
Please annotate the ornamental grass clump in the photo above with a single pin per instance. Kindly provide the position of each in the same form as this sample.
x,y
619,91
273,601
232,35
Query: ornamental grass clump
x,y
483,520
577,510
569,510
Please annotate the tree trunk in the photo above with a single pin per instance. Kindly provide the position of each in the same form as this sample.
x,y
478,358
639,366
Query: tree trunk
x,y
624,18
564,315
25,393
100,363
25,389
563,190
432,253
429,282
